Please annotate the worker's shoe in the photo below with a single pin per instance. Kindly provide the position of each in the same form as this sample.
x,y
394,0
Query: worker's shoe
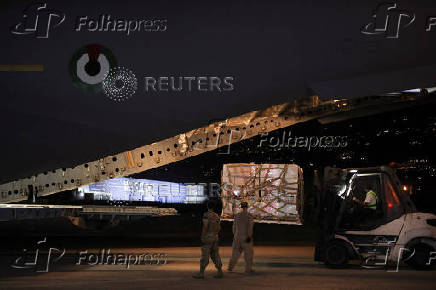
x,y
249,272
220,274
229,269
199,275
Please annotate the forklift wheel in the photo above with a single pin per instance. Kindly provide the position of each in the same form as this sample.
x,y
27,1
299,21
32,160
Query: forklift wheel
x,y
336,255
421,257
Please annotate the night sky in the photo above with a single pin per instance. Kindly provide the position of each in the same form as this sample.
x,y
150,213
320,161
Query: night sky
x,y
275,53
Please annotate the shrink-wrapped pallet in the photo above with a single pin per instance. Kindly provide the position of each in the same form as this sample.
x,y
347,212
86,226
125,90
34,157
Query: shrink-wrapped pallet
x,y
274,192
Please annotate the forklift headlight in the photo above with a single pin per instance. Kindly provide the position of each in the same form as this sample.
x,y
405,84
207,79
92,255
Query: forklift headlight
x,y
432,222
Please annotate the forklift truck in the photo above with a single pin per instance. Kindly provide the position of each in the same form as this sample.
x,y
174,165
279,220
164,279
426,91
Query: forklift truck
x,y
391,233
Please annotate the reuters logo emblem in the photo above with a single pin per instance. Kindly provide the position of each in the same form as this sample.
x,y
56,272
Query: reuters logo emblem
x,y
120,84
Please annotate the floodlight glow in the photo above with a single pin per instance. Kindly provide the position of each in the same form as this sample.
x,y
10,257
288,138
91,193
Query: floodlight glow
x,y
129,189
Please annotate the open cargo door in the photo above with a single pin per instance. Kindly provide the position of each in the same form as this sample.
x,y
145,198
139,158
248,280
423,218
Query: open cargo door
x,y
274,192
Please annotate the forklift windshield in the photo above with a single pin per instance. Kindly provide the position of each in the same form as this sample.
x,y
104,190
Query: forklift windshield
x,y
370,200
362,205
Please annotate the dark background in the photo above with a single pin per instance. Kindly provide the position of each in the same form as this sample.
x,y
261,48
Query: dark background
x,y
276,51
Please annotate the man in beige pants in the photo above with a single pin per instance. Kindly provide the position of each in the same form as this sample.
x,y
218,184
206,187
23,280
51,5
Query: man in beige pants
x,y
209,238
242,239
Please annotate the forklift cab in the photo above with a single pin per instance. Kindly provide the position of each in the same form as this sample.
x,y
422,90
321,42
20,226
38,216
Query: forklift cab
x,y
353,229
355,215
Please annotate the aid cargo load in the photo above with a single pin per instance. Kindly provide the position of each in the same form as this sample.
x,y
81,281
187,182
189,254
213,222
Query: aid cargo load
x,y
274,192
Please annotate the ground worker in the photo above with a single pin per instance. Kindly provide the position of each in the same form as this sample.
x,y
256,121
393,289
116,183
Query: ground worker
x,y
371,199
242,239
368,212
209,238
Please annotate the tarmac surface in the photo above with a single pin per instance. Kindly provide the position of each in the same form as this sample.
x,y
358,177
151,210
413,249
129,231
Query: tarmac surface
x,y
167,251
276,267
